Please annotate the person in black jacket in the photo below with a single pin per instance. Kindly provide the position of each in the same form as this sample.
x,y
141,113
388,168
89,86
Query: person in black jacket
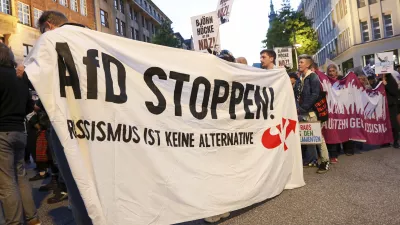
x,y
308,92
48,21
15,103
392,96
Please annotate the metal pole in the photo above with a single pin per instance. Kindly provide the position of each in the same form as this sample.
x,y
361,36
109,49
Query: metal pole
x,y
297,63
295,51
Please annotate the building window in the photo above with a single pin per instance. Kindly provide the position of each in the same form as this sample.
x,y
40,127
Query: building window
x,y
24,13
388,25
135,15
104,18
116,5
361,3
136,34
27,49
368,59
372,2
130,12
5,6
123,28
375,28
83,8
63,2
144,22
74,5
36,15
117,28
364,31
122,6
132,33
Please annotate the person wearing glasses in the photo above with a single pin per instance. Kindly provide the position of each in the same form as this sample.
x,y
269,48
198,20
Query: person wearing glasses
x,y
49,21
308,94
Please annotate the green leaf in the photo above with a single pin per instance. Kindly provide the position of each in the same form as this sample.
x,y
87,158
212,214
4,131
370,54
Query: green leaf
x,y
286,26
165,36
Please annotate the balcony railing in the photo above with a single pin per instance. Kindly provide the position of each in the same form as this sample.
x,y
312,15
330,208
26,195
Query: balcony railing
x,y
141,4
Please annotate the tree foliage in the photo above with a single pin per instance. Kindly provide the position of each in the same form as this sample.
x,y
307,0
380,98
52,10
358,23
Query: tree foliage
x,y
287,26
165,36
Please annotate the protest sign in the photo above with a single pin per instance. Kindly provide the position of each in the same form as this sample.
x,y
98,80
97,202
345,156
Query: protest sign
x,y
369,70
159,135
355,113
284,57
310,133
206,32
384,62
224,9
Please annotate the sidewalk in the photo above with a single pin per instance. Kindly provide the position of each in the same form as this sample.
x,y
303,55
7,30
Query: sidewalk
x,y
361,189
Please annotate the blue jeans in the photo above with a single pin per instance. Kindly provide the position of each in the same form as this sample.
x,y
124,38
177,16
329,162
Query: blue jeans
x,y
77,206
15,190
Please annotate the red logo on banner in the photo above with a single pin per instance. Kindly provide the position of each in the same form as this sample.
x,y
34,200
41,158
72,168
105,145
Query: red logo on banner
x,y
271,141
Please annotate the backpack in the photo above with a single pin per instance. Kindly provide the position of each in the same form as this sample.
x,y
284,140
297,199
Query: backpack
x,y
321,106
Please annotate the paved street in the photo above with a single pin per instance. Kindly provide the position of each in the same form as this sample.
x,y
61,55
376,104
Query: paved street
x,y
361,189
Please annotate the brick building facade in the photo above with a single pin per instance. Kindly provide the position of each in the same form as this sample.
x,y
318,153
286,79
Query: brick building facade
x,y
18,20
135,19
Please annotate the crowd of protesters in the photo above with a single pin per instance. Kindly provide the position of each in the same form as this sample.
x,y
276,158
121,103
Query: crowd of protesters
x,y
307,89
26,131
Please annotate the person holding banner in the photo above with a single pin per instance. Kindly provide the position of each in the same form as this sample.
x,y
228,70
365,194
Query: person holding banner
x,y
334,149
48,21
308,95
267,59
227,56
348,146
392,96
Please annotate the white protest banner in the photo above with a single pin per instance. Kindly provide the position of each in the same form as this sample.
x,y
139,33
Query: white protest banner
x,y
158,135
310,133
284,57
224,9
206,32
384,62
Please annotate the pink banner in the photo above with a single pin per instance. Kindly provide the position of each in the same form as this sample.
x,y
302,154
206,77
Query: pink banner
x,y
355,113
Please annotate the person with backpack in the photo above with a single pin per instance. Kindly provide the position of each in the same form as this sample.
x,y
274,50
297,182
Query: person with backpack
x,y
309,90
